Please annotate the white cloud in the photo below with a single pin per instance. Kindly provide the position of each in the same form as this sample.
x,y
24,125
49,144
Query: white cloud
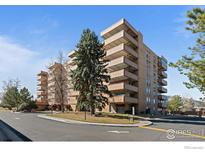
x,y
17,61
180,29
13,55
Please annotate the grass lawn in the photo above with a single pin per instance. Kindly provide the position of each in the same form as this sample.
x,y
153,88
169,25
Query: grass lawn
x,y
80,117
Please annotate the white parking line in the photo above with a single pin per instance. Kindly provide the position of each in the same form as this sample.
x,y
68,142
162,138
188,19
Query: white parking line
x,y
118,132
17,118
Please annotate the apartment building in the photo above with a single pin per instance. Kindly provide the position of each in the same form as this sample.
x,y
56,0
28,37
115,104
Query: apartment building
x,y
42,90
162,76
137,73
72,95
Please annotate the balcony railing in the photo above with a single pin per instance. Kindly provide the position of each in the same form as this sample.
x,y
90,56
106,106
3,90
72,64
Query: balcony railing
x,y
122,99
120,63
44,83
73,93
71,54
42,78
73,100
120,50
51,84
119,38
164,74
163,82
73,67
162,90
71,62
41,88
42,93
163,64
122,75
162,97
122,86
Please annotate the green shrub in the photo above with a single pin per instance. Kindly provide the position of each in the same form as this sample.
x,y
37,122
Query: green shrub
x,y
27,106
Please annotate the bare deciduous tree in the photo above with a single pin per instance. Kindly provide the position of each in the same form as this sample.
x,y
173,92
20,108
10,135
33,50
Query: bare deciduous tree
x,y
58,74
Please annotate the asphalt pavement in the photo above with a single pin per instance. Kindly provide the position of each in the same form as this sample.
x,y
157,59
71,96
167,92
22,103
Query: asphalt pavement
x,y
37,129
7,133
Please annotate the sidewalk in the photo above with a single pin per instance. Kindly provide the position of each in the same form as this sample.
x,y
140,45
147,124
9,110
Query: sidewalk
x,y
140,124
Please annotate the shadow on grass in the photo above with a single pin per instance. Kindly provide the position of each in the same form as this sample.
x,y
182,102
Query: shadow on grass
x,y
8,133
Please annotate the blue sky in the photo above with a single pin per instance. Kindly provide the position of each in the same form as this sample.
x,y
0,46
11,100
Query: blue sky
x,y
31,36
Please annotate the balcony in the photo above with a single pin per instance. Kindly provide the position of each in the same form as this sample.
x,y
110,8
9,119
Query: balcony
x,y
73,67
118,26
41,88
119,38
42,74
163,82
41,100
51,84
162,90
122,99
51,79
42,79
164,75
70,87
120,63
41,93
73,100
122,75
163,65
121,87
42,83
71,62
119,51
71,54
73,93
51,96
69,77
162,97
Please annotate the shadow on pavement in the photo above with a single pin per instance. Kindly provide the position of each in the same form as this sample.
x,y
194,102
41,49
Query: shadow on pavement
x,y
179,122
185,118
8,133
181,119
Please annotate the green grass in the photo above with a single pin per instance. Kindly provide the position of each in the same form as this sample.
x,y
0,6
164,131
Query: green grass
x,y
79,116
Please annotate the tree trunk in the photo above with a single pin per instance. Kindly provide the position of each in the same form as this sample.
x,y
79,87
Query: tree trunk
x,y
52,109
85,114
92,106
92,110
62,107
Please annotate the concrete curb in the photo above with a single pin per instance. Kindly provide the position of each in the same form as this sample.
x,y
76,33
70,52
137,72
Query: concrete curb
x,y
140,124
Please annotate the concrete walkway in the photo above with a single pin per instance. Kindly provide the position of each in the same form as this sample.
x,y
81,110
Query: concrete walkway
x,y
140,124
